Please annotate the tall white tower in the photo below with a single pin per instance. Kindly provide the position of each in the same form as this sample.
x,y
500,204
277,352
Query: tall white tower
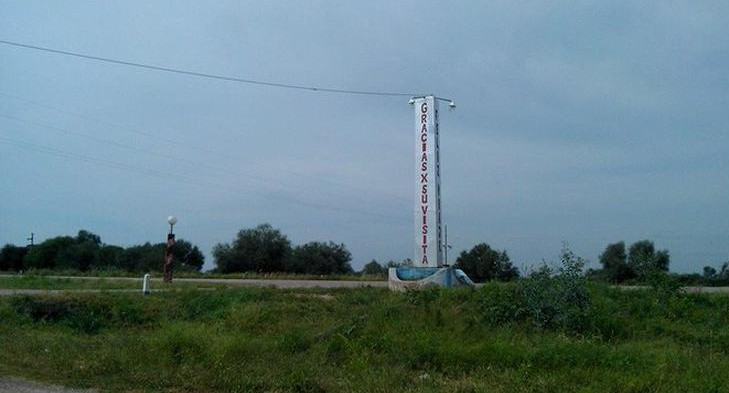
x,y
427,213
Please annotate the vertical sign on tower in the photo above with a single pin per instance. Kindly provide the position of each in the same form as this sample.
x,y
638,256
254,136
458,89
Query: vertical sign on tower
x,y
428,245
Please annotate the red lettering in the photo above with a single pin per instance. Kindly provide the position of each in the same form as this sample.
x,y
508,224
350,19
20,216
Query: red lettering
x,y
425,257
424,198
424,157
425,146
424,167
424,209
423,137
424,128
424,177
423,118
425,230
424,107
425,241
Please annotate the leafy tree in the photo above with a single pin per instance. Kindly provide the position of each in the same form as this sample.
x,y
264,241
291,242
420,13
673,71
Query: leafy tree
x,y
724,271
483,263
614,263
83,254
11,257
407,262
190,257
142,258
374,269
108,256
709,272
261,249
65,252
85,236
50,254
86,251
149,257
322,258
643,259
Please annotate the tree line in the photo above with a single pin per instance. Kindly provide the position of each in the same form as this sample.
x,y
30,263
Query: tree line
x,y
264,249
481,263
86,251
637,264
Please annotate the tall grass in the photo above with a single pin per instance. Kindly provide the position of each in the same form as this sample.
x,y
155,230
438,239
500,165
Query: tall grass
x,y
366,340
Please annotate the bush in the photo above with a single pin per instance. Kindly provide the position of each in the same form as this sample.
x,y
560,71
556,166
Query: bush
x,y
500,304
557,300
84,317
548,299
664,287
374,269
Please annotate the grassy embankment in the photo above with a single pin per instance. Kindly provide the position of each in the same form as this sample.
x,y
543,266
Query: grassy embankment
x,y
365,340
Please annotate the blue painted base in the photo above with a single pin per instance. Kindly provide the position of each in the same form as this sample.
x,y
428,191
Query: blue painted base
x,y
401,279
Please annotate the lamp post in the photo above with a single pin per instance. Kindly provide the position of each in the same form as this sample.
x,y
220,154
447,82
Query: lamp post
x,y
169,256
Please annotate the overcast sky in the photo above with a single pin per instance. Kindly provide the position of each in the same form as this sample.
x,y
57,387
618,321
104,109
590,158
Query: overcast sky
x,y
586,122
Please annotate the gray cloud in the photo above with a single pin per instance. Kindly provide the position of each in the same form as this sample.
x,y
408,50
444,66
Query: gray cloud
x,y
587,123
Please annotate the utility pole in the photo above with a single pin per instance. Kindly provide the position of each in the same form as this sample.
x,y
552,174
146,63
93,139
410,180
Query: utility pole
x,y
446,246
30,239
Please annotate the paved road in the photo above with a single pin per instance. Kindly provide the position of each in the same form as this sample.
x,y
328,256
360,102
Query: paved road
x,y
18,386
286,284
686,289
232,282
9,292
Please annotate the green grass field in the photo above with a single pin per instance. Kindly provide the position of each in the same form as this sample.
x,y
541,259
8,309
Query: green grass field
x,y
48,283
363,340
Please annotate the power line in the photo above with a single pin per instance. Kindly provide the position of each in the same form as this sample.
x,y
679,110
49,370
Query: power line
x,y
107,123
98,161
130,147
278,183
358,190
169,176
206,75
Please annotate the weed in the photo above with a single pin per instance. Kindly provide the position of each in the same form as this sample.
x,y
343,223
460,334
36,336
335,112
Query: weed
x,y
371,340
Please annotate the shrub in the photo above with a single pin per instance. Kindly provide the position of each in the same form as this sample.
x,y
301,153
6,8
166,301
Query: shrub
x,y
500,304
557,299
548,299
84,317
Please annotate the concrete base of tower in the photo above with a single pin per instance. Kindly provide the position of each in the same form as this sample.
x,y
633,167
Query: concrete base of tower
x,y
403,278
